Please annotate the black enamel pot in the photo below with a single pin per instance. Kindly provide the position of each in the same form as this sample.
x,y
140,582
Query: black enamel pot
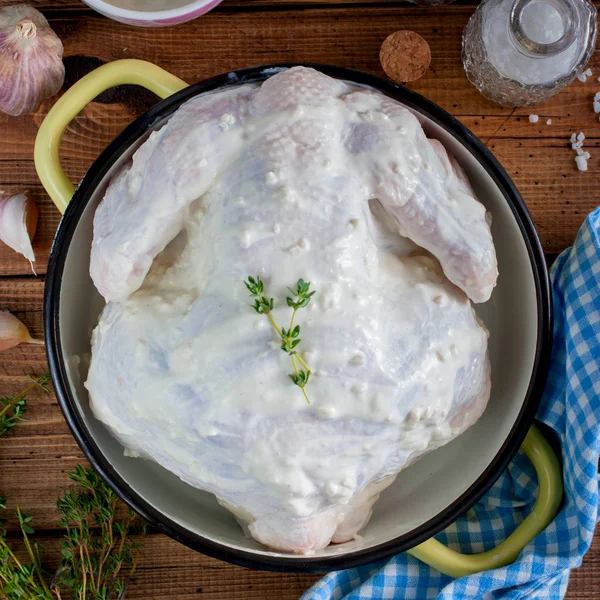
x,y
425,497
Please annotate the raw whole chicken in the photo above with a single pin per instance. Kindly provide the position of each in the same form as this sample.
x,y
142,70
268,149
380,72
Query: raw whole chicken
x,y
305,177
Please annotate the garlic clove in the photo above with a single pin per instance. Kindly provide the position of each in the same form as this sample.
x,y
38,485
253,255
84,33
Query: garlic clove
x,y
13,332
31,67
18,222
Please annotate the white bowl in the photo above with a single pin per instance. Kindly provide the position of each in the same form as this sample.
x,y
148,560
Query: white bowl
x,y
152,13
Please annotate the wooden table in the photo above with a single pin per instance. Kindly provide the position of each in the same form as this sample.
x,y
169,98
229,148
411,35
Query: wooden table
x,y
34,458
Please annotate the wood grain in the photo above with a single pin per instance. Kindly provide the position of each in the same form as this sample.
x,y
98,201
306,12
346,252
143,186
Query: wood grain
x,y
168,570
351,37
35,457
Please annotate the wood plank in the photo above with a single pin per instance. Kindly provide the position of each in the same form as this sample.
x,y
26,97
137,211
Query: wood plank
x,y
543,169
584,581
220,42
36,455
169,571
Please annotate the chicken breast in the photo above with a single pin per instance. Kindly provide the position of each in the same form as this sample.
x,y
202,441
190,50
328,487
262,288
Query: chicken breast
x,y
303,177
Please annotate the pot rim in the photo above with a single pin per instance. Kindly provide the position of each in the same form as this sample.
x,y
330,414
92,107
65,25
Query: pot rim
x,y
455,509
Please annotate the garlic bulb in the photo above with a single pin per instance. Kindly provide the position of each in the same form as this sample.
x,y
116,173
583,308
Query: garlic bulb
x,y
31,67
18,222
13,332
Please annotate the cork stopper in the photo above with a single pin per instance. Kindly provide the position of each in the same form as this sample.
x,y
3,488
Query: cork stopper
x,y
405,56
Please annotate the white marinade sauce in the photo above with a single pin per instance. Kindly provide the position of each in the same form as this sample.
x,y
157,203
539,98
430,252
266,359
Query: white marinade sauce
x,y
149,5
302,177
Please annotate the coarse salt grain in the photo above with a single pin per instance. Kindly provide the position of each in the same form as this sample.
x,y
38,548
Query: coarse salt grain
x,y
582,156
549,122
596,106
533,118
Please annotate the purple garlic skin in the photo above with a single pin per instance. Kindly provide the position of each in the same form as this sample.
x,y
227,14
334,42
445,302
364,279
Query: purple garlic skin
x,y
31,67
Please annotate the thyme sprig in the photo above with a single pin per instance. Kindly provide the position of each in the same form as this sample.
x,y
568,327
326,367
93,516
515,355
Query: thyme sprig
x,y
290,339
13,408
20,579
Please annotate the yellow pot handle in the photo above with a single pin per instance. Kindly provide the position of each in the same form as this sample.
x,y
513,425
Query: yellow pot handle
x,y
47,161
549,498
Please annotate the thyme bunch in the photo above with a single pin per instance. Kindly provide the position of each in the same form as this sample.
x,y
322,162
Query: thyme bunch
x,y
99,552
290,339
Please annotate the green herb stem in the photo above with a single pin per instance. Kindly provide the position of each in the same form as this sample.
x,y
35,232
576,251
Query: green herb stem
x,y
290,339
18,404
303,363
268,313
292,319
34,556
4,545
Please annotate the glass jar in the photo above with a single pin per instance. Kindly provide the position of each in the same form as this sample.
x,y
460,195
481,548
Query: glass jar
x,y
521,52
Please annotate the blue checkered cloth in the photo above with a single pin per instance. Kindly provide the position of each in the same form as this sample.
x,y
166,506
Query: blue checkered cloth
x,y
570,406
